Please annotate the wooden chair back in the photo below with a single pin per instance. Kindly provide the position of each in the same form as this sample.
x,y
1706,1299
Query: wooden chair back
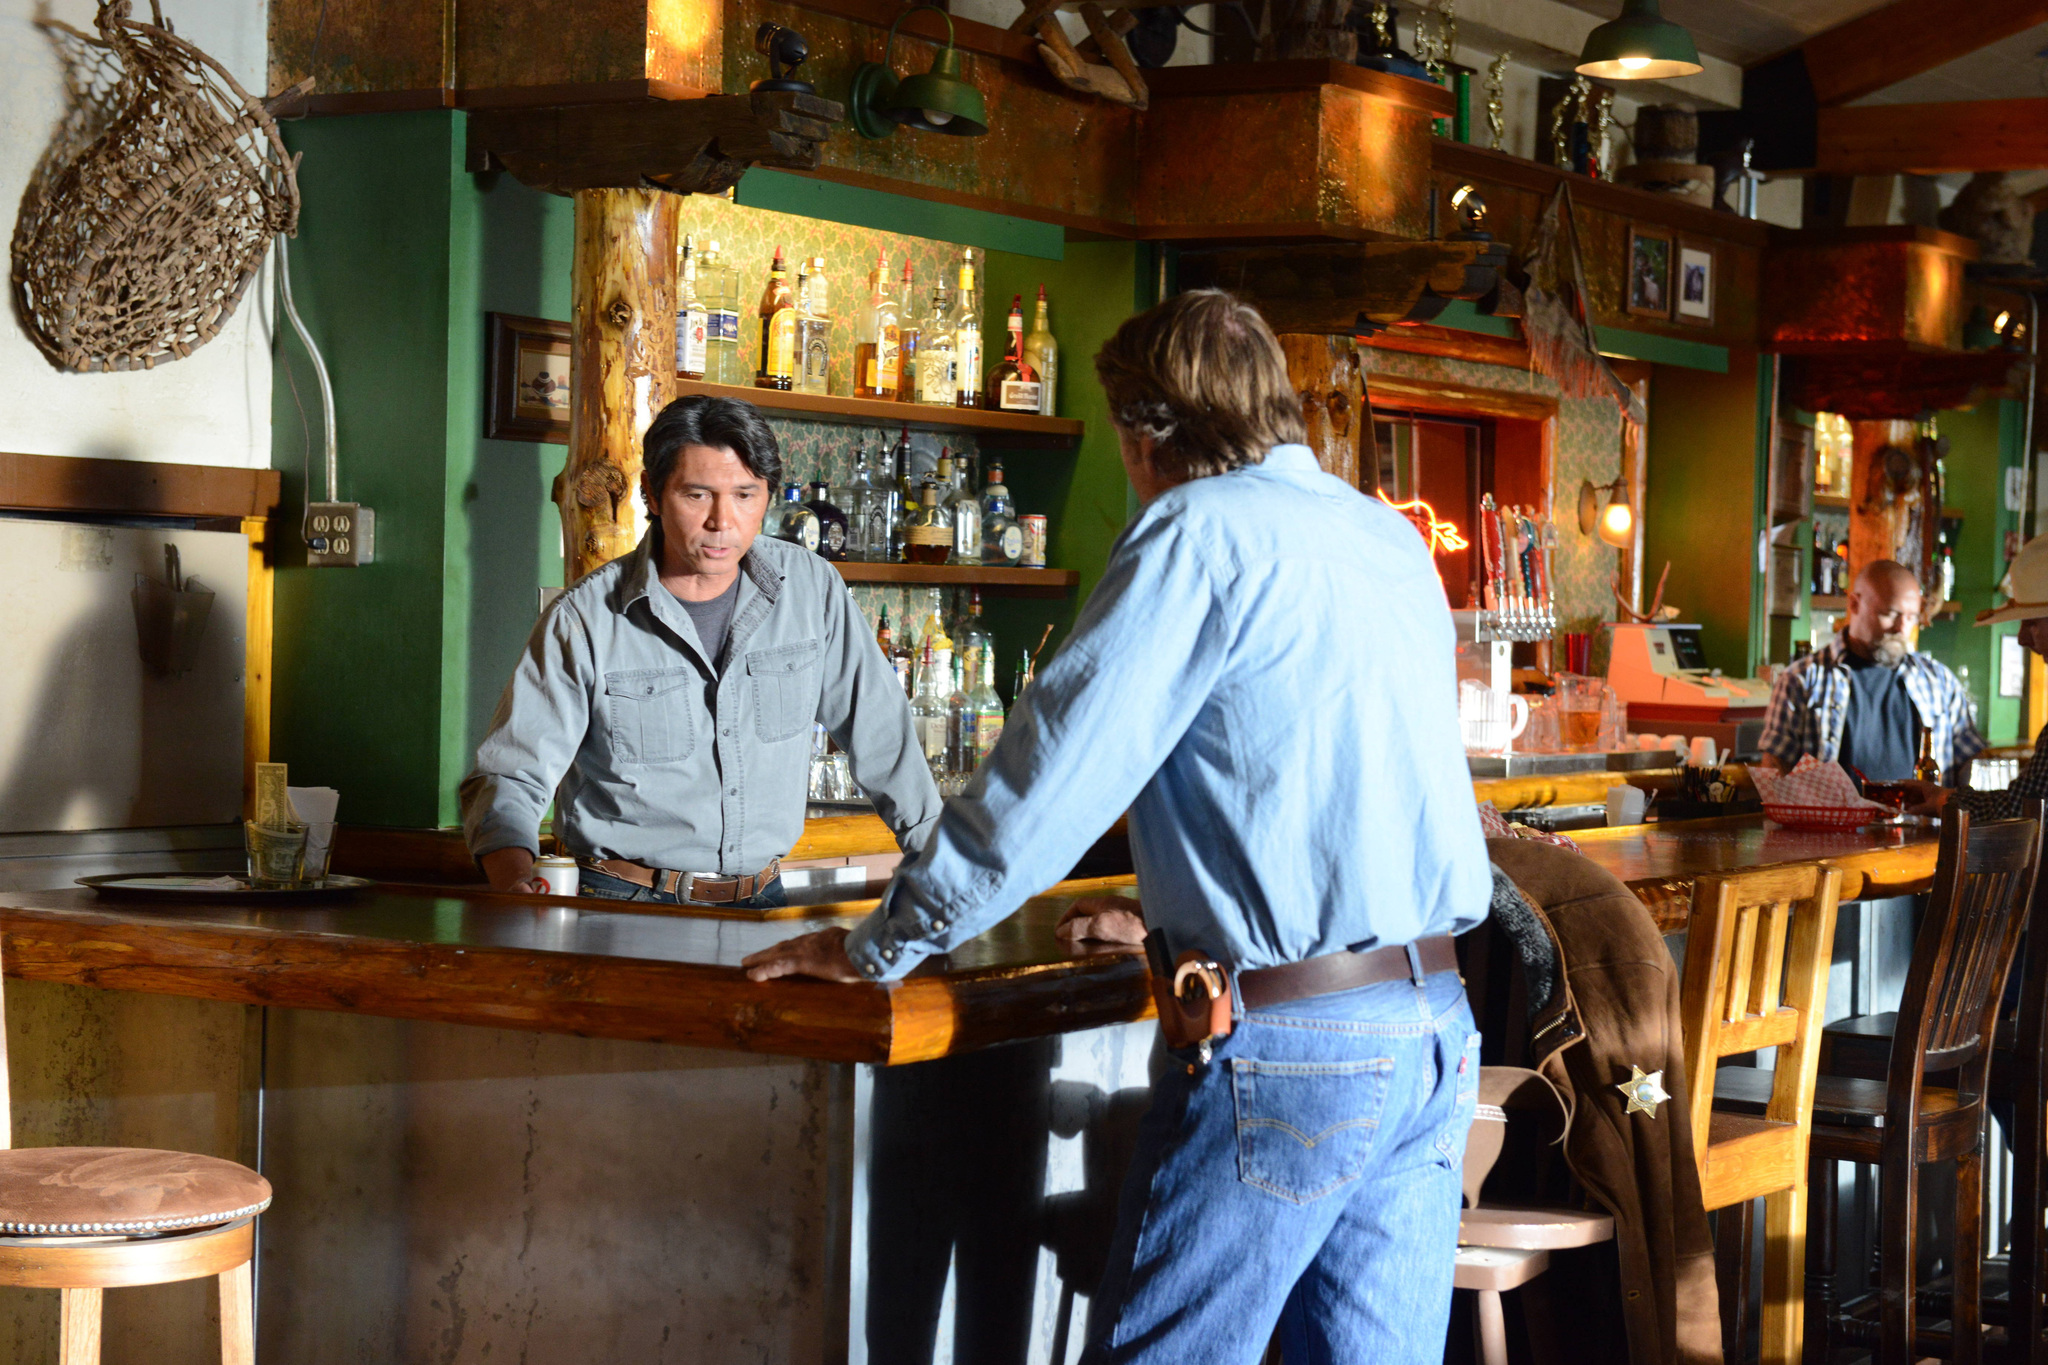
x,y
1756,976
2027,1059
1983,884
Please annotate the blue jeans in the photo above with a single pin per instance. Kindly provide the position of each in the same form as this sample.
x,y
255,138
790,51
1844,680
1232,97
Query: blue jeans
x,y
604,886
1309,1176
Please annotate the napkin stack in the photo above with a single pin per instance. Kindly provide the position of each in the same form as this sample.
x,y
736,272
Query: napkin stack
x,y
1812,783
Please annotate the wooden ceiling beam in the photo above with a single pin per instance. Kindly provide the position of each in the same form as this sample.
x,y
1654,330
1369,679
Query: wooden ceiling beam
x,y
1906,38
1932,139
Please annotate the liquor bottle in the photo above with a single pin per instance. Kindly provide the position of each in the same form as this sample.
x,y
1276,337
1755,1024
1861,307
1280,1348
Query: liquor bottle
x,y
909,338
831,522
988,706
906,496
1925,768
1002,539
813,330
718,347
974,636
881,508
856,500
966,510
796,523
1013,385
1026,670
935,375
928,537
967,336
693,331
944,478
1042,354
934,631
878,354
928,712
882,635
778,330
739,350
959,725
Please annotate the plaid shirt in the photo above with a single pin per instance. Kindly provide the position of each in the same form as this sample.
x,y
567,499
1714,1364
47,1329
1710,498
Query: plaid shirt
x,y
1810,704
2030,785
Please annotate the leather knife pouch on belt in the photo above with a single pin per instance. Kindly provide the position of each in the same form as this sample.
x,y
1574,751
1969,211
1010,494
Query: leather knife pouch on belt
x,y
1193,994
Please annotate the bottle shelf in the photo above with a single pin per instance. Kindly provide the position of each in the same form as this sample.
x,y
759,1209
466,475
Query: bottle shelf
x,y
994,430
1006,581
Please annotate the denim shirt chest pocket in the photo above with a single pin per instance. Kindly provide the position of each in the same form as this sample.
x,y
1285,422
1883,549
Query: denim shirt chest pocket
x,y
785,690
647,714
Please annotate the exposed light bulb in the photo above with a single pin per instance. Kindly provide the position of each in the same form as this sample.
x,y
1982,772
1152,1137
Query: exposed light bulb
x,y
937,118
1634,63
1998,323
1617,523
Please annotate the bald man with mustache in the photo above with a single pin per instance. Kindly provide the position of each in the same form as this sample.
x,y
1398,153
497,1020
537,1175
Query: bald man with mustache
x,y
1864,699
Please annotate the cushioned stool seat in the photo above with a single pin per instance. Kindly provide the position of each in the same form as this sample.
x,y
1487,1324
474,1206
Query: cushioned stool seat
x,y
128,1191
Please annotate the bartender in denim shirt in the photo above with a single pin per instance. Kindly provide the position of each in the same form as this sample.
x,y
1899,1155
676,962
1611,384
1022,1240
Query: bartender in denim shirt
x,y
1266,678
665,702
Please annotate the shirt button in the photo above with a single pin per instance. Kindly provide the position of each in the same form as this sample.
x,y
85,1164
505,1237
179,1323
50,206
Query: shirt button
x,y
888,954
939,925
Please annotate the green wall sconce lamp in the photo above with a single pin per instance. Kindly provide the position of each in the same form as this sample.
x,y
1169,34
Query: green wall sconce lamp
x,y
1642,45
939,101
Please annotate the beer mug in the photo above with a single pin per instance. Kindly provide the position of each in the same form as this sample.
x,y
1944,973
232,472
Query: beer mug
x,y
1489,720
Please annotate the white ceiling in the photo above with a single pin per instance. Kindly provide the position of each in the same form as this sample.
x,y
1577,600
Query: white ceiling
x,y
1746,31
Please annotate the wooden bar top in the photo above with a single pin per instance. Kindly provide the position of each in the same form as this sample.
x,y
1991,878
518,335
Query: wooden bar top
x,y
559,965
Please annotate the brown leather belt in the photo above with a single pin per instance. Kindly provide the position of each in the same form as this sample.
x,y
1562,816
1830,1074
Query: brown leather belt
x,y
707,887
1344,971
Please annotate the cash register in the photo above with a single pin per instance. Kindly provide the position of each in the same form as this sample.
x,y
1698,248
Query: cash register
x,y
1661,672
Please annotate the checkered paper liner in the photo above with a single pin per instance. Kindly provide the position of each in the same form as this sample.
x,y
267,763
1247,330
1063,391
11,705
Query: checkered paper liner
x,y
1497,826
1813,784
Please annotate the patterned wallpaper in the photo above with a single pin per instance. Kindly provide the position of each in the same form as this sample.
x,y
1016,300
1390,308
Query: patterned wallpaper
x,y
1588,447
814,450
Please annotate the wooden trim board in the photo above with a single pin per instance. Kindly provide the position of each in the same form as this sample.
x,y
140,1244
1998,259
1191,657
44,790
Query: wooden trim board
x,y
74,483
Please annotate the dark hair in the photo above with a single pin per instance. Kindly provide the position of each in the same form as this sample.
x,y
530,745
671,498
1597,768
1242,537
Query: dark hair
x,y
721,423
1203,376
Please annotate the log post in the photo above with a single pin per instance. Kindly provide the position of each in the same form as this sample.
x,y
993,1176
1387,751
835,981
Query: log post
x,y
1327,374
622,356
1876,523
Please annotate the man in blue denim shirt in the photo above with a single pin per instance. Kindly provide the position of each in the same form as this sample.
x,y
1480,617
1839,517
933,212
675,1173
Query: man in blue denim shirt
x,y
1265,678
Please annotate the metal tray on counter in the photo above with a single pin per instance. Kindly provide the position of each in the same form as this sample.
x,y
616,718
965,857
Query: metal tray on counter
x,y
187,886
1488,766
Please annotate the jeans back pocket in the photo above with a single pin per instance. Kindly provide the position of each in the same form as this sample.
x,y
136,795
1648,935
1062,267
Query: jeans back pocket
x,y
785,690
648,712
1305,1128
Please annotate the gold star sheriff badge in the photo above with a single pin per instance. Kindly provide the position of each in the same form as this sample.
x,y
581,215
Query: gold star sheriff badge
x,y
1644,1093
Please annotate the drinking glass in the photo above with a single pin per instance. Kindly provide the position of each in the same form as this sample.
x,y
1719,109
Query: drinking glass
x,y
319,848
1581,701
277,854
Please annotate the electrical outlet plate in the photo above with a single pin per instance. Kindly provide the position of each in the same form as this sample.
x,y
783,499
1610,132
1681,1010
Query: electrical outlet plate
x,y
339,535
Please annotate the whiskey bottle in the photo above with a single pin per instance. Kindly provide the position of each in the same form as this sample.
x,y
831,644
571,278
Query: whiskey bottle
x,y
832,537
1042,354
1012,385
1002,539
877,355
909,338
693,331
778,330
936,375
967,336
928,538
966,510
813,330
797,523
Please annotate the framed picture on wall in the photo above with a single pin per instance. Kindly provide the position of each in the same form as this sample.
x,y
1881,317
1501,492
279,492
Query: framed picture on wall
x,y
526,383
1649,274
1696,285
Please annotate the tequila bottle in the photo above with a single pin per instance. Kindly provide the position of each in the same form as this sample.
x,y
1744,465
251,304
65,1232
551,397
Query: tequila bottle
x,y
813,330
928,537
832,536
778,330
936,376
693,330
796,523
1002,539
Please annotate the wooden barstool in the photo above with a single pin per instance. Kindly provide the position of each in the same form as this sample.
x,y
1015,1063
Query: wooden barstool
x,y
1756,975
88,1219
1982,885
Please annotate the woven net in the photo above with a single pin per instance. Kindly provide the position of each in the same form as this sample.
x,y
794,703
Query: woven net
x,y
151,209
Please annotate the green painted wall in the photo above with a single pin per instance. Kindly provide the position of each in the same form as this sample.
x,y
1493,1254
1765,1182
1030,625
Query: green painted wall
x,y
1983,443
1700,507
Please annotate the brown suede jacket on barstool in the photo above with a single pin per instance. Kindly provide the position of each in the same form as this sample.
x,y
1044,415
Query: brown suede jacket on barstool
x,y
1604,997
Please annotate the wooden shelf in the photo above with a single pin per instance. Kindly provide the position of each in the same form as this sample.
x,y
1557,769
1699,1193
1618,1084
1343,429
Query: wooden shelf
x,y
997,430
1008,582
1829,500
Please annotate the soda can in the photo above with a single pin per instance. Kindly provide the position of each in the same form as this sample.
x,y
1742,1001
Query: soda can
x,y
560,874
1034,540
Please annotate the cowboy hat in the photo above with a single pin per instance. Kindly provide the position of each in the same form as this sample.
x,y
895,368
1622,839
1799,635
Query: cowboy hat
x,y
2025,586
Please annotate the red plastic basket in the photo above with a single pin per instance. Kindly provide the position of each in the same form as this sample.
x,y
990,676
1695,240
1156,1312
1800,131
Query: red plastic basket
x,y
1823,817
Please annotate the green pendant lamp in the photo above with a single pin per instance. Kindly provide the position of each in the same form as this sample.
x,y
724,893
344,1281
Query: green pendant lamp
x,y
939,101
1642,45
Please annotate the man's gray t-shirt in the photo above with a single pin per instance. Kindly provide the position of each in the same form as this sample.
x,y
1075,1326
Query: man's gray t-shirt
x,y
713,619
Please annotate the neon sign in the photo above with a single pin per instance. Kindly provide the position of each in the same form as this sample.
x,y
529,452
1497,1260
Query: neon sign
x,y
1442,535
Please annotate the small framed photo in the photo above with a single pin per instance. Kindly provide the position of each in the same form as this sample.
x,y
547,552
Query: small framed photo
x,y
526,386
1696,285
1649,274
